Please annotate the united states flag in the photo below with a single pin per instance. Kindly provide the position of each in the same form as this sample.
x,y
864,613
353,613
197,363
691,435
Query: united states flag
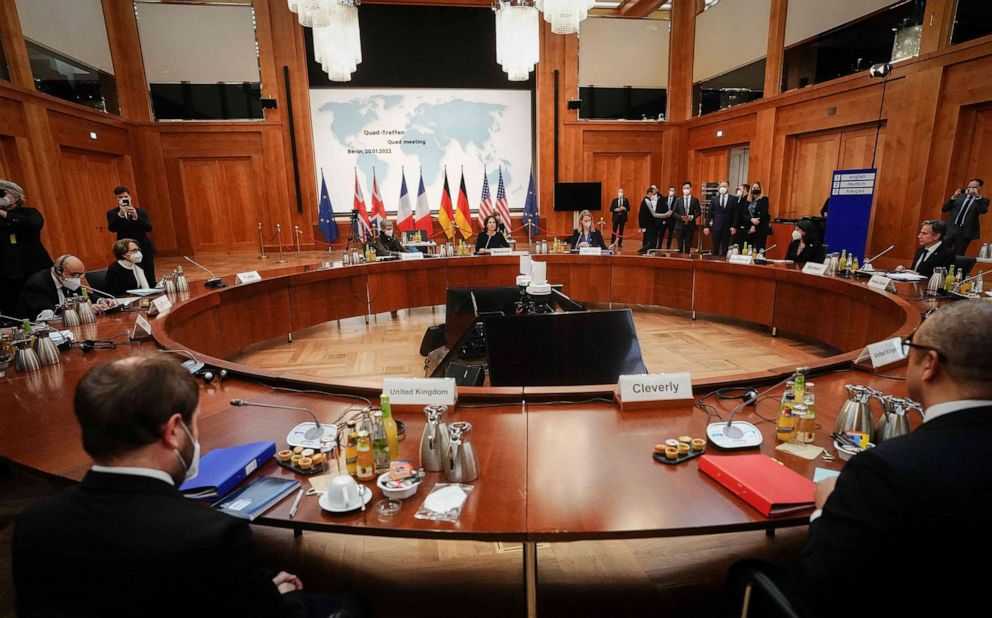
x,y
502,205
486,205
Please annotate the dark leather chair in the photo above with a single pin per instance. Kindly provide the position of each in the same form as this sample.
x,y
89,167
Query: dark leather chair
x,y
964,264
98,280
756,581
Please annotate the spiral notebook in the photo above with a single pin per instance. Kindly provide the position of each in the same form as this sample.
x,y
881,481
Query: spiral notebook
x,y
257,497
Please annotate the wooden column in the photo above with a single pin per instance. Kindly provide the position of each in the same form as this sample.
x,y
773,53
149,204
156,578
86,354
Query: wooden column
x,y
129,66
680,59
938,21
13,46
776,47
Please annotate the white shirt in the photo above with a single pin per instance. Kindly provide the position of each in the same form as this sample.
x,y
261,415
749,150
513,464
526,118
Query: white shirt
x,y
139,275
152,473
943,409
927,253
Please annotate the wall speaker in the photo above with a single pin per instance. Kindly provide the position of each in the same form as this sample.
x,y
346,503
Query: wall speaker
x,y
575,104
268,103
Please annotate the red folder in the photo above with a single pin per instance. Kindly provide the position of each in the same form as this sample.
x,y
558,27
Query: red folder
x,y
762,482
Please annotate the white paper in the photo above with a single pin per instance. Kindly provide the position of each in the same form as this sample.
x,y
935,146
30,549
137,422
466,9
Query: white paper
x,y
238,505
445,499
247,277
824,473
905,276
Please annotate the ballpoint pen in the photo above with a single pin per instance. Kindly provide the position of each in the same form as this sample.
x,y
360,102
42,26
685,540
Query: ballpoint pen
x,y
296,503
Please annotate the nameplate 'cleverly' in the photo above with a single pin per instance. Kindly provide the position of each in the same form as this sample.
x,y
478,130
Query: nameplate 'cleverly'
x,y
411,255
162,304
590,251
420,391
655,387
880,283
883,353
812,268
248,277
501,251
741,259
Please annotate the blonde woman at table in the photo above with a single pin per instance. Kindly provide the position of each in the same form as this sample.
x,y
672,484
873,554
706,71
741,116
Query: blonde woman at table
x,y
491,237
586,235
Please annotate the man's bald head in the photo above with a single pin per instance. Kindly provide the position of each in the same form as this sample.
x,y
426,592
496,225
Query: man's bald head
x,y
69,265
962,334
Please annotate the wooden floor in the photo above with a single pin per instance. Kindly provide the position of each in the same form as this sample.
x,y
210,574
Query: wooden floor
x,y
413,578
389,346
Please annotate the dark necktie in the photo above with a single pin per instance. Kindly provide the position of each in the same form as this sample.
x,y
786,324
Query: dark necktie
x,y
919,262
723,203
964,212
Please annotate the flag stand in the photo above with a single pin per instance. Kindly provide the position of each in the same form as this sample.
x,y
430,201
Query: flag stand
x,y
281,259
299,254
261,244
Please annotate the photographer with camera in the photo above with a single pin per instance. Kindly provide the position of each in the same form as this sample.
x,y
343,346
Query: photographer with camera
x,y
21,251
127,221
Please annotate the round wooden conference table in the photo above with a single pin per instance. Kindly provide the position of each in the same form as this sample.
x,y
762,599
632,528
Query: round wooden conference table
x,y
557,463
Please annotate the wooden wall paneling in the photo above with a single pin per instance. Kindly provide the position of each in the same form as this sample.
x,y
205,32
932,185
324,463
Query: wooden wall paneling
x,y
588,281
765,159
812,160
45,189
736,131
775,58
197,326
254,312
683,39
14,49
634,283
222,197
152,190
407,287
10,161
720,290
938,22
129,67
321,297
710,165
551,58
89,179
979,165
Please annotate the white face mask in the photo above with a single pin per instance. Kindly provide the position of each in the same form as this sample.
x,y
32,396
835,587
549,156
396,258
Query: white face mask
x,y
193,467
796,234
6,202
587,224
72,283
619,196
136,257
686,191
388,233
671,193
739,193
723,190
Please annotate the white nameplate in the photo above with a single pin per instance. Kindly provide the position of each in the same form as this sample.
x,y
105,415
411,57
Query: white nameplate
x,y
741,259
162,304
655,387
812,268
249,277
411,255
880,283
883,353
590,251
421,391
140,323
501,251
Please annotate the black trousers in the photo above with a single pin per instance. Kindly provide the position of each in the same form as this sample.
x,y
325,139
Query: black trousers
x,y
959,245
666,228
650,240
617,236
757,240
685,237
720,240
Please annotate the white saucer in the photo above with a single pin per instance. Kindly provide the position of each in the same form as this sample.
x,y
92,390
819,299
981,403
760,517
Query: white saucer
x,y
364,492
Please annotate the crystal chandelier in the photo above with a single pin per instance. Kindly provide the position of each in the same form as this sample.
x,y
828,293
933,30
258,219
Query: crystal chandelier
x,y
337,43
517,38
564,15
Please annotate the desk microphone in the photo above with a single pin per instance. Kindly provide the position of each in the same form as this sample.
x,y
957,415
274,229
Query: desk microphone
x,y
214,281
314,433
872,259
741,435
86,287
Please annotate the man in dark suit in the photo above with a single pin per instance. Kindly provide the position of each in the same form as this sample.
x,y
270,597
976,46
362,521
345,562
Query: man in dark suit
x,y
620,207
49,288
648,221
965,208
933,252
21,250
917,505
127,221
685,211
739,218
125,542
720,219
667,207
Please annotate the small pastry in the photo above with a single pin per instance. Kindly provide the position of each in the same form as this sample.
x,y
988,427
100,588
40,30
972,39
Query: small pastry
x,y
685,439
284,455
672,453
295,459
660,448
318,459
307,452
698,444
298,450
672,442
305,463
683,449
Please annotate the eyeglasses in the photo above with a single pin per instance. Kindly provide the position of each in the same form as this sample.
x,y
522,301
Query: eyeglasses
x,y
907,343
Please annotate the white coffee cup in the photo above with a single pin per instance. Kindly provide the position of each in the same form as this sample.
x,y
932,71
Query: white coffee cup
x,y
343,493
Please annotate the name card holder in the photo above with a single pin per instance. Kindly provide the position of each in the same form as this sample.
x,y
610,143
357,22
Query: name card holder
x,y
411,255
812,268
412,394
142,329
590,251
247,277
653,390
881,283
882,353
501,251
162,304
741,259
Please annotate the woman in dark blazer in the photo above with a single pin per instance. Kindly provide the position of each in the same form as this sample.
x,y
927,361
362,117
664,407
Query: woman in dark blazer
x,y
805,245
586,235
126,274
758,218
491,237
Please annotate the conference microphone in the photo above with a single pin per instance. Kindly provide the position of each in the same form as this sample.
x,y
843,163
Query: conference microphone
x,y
872,259
739,435
313,434
214,281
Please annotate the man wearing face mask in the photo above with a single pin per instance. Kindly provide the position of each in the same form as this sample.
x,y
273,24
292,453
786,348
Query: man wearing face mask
x,y
686,210
49,288
620,207
667,208
648,221
127,221
21,251
740,224
386,242
721,218
964,210
125,541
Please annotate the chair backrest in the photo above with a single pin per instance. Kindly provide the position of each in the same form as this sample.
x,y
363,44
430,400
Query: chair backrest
x,y
821,254
964,264
98,279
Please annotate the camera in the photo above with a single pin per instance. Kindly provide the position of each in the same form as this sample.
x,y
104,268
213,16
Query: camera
x,y
126,201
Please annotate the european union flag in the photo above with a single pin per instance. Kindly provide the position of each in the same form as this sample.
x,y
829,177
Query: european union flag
x,y
530,208
325,213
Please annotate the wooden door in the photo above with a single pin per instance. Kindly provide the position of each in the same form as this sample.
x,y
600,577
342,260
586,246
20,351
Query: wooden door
x,y
711,165
222,200
632,172
88,180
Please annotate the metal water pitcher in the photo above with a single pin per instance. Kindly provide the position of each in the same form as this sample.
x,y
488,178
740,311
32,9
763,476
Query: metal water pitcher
x,y
894,421
462,461
434,441
86,313
48,352
170,284
986,252
855,414
70,317
25,359
936,282
182,284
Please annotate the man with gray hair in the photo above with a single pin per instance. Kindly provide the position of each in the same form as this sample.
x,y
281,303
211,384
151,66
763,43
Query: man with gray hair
x,y
898,533
21,252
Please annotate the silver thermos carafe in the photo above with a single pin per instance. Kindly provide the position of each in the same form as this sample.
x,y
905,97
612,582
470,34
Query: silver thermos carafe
x,y
895,420
462,462
434,440
48,353
855,414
